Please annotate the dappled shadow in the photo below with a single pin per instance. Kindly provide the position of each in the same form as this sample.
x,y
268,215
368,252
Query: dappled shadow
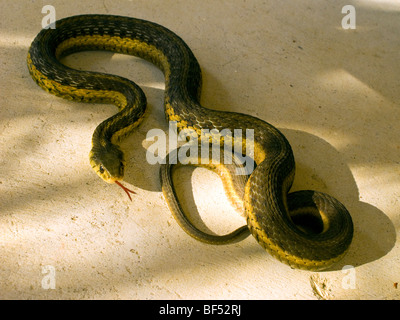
x,y
332,92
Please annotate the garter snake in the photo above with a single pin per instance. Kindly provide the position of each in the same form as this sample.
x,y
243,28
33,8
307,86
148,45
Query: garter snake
x,y
271,211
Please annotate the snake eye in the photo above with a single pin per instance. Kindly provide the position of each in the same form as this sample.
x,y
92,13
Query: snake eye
x,y
101,169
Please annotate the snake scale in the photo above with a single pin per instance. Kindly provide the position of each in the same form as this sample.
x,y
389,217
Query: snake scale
x,y
273,214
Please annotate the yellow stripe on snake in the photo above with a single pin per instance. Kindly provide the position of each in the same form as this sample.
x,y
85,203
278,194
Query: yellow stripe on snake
x,y
272,213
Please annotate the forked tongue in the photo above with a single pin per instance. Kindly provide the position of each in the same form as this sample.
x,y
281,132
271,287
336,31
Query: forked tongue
x,y
128,191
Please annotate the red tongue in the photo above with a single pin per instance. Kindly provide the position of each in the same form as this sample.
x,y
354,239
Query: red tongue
x,y
126,189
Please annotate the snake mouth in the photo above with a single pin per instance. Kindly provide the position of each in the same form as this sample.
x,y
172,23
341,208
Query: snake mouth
x,y
128,191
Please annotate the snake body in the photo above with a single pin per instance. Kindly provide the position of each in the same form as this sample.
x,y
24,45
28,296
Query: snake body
x,y
272,213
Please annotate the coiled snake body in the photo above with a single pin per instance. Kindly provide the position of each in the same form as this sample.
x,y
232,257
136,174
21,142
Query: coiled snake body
x,y
271,212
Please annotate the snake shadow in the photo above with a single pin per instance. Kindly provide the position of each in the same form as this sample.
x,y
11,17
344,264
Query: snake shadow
x,y
319,166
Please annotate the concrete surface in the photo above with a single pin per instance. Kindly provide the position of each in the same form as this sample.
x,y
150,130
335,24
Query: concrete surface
x,y
333,92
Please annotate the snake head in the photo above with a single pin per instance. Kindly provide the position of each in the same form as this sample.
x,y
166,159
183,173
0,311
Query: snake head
x,y
108,162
